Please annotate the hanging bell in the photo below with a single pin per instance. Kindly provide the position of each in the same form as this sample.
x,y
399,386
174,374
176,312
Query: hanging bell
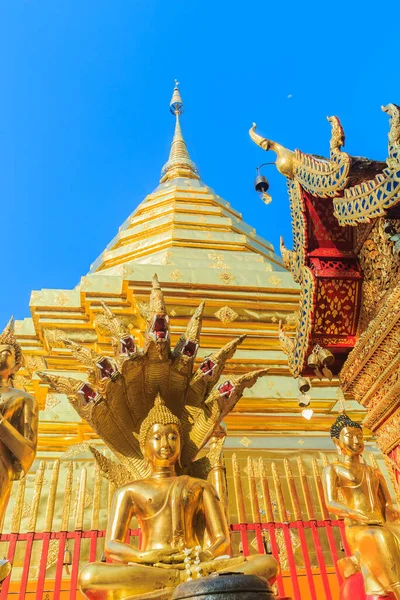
x,y
67,561
304,384
327,373
326,357
318,374
304,400
261,184
266,198
313,360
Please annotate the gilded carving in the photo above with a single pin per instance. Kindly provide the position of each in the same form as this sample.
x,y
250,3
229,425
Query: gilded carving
x,y
52,400
226,314
274,280
175,275
381,269
226,277
62,299
54,338
373,198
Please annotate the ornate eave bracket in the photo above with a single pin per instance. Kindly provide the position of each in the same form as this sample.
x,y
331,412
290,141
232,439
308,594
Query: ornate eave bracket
x,y
295,261
296,347
373,198
324,178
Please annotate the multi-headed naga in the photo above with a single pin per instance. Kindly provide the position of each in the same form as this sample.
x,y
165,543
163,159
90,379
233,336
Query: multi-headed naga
x,y
157,415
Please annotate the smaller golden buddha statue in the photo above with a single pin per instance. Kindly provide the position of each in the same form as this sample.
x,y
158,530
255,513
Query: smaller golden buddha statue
x,y
359,494
18,424
184,529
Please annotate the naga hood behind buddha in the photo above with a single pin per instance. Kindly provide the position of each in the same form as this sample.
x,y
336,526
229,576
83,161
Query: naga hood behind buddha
x,y
121,390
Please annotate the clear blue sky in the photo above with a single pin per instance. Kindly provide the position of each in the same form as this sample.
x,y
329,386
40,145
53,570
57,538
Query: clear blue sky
x,y
85,126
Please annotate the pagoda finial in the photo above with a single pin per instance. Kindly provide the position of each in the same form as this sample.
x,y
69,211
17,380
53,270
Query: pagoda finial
x,y
179,163
176,104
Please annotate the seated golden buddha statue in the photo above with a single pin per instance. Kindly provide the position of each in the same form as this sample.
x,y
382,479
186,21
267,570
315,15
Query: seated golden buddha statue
x,y
372,523
182,520
156,413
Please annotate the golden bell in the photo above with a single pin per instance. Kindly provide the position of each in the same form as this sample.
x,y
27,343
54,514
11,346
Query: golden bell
x,y
304,385
326,357
313,360
67,557
67,561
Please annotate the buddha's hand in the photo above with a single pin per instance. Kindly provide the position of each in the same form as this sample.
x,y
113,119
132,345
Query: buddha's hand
x,y
361,517
164,556
206,556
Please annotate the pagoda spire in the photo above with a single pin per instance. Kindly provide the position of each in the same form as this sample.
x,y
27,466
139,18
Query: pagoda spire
x,y
179,163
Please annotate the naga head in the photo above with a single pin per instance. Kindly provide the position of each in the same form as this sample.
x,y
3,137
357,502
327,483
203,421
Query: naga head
x,y
347,435
10,352
158,321
284,157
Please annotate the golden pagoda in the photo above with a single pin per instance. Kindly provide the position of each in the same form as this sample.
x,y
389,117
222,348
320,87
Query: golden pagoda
x,y
201,249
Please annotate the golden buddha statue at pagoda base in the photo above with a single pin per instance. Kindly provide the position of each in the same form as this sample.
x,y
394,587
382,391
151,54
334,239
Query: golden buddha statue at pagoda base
x,y
372,524
18,425
156,413
184,530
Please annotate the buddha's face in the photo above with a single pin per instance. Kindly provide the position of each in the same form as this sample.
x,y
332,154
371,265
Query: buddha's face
x,y
351,441
163,445
7,360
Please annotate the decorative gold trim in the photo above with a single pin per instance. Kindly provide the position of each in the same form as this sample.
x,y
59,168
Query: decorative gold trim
x,y
320,177
373,198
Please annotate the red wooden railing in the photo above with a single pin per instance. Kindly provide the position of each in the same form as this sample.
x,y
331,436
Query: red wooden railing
x,y
298,579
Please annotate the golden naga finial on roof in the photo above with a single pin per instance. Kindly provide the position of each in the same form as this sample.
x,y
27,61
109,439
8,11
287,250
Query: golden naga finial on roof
x,y
179,163
337,137
284,157
394,132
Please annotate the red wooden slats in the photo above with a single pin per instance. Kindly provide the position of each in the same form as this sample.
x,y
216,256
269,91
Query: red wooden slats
x,y
93,546
60,563
13,538
27,563
275,553
332,547
259,538
244,540
306,558
291,560
321,560
42,565
75,538
75,565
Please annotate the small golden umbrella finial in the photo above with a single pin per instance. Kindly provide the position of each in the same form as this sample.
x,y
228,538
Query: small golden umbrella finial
x,y
179,164
176,104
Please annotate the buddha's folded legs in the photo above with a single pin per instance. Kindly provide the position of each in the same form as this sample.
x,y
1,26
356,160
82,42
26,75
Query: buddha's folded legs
x,y
378,551
258,564
99,581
